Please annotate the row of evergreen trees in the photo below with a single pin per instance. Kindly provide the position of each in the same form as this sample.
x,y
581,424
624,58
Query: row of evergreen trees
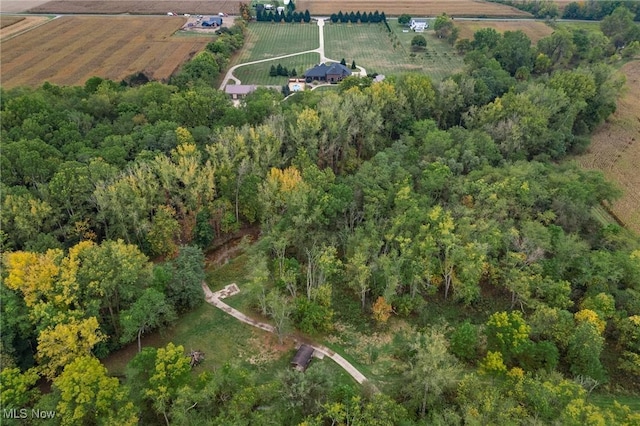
x,y
279,70
356,17
270,16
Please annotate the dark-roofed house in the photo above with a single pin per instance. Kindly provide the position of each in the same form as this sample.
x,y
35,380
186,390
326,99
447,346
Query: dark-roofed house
x,y
332,73
303,357
213,21
239,90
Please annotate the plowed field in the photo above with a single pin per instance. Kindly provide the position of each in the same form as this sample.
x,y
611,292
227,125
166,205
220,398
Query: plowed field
x,y
534,29
142,7
615,149
473,8
69,50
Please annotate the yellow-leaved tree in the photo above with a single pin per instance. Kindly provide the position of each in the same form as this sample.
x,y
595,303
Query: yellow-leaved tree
x,y
63,343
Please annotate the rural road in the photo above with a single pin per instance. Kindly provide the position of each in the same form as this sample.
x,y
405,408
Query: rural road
x,y
320,50
216,300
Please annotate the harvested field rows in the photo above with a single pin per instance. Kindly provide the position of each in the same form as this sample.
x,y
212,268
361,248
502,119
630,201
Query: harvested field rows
x,y
615,149
69,50
534,29
473,8
6,21
259,73
267,40
143,7
20,25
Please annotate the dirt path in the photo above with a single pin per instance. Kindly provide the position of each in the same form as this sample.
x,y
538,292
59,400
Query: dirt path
x,y
216,300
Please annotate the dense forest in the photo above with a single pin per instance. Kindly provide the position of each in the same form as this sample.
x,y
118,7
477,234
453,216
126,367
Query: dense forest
x,y
376,200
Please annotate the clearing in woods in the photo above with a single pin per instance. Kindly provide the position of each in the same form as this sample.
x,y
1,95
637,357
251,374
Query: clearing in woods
x,y
535,30
70,50
259,73
615,149
473,8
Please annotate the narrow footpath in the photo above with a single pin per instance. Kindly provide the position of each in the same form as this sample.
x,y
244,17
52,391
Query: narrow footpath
x,y
216,300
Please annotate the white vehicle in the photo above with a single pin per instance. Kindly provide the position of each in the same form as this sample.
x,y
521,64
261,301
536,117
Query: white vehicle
x,y
268,7
169,13
187,15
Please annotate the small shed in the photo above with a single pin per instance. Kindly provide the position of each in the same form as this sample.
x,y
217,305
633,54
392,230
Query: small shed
x,y
302,358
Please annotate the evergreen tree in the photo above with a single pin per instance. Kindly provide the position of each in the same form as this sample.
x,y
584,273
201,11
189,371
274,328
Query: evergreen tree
x,y
279,70
307,16
343,62
273,72
353,65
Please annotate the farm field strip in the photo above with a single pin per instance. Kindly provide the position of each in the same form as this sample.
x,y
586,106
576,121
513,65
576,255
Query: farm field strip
x,y
615,149
259,73
415,7
69,50
268,40
137,7
535,30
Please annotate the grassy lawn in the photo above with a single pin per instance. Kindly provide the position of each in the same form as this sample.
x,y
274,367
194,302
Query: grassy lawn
x,y
379,51
268,40
259,73
608,401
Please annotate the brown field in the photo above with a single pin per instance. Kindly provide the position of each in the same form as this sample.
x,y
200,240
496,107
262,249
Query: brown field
x,y
16,6
534,29
69,50
615,149
474,8
19,24
142,7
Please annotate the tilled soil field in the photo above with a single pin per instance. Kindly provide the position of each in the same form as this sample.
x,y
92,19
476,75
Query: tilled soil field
x,y
534,29
615,149
143,7
70,50
470,8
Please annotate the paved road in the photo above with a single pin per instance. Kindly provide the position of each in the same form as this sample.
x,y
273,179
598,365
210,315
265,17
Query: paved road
x,y
230,290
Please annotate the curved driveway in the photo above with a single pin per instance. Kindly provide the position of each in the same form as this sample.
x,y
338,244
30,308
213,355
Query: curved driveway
x,y
320,50
230,290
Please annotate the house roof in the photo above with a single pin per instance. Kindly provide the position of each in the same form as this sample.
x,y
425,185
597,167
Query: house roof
x,y
239,89
303,357
323,69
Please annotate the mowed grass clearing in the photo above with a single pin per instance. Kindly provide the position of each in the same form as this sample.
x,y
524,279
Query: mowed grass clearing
x,y
535,30
379,51
70,50
615,149
259,73
267,40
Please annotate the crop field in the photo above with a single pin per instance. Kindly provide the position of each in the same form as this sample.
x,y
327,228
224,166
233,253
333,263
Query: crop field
x,y
615,149
535,30
476,8
267,40
259,73
6,21
69,50
142,7
379,51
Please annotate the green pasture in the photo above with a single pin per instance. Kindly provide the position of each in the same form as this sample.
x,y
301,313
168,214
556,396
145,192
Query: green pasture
x,y
259,73
379,51
267,40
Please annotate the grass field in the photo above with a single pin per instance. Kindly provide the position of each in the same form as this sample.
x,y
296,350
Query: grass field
x,y
535,30
267,40
259,73
372,47
476,8
69,50
615,149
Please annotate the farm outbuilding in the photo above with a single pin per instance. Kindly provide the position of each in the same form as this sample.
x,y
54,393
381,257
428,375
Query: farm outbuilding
x,y
239,90
213,21
303,357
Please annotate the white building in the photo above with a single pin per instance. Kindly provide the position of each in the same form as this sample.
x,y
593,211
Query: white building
x,y
418,24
